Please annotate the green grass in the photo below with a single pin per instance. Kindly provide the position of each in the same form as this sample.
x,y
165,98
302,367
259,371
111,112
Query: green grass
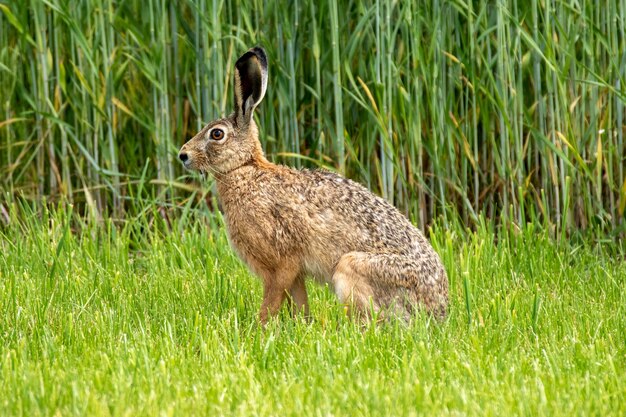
x,y
141,319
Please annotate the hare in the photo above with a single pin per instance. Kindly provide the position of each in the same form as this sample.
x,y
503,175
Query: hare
x,y
288,224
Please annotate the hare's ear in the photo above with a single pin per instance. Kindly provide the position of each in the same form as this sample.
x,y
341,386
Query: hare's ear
x,y
250,84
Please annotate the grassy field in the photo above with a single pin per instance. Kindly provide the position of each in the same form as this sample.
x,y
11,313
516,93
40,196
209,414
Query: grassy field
x,y
144,319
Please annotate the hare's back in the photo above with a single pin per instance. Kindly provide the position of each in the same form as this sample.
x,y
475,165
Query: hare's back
x,y
349,215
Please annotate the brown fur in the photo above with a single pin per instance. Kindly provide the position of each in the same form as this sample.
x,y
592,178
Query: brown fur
x,y
286,224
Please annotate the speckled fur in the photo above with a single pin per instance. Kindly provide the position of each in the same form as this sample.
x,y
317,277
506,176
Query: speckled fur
x,y
287,224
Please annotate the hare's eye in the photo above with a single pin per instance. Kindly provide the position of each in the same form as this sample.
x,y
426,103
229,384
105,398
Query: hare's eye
x,y
217,134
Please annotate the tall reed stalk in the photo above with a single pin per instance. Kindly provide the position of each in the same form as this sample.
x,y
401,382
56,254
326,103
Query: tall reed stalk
x,y
512,108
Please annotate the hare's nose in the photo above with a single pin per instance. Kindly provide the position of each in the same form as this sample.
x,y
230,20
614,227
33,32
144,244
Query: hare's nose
x,y
183,156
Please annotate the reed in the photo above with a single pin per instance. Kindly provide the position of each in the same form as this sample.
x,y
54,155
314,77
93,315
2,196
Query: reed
x,y
510,108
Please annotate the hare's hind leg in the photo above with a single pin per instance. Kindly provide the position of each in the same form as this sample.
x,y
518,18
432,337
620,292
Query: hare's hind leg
x,y
388,281
351,281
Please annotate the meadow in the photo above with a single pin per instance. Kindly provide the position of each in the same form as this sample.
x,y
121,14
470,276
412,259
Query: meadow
x,y
496,126
157,319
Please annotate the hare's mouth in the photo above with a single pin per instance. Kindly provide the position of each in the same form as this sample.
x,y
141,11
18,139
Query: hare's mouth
x,y
189,166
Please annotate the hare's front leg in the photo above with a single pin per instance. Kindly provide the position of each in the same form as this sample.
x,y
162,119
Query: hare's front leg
x,y
298,300
275,289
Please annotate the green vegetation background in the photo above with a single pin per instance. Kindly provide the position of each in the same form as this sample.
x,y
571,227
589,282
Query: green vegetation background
x,y
512,108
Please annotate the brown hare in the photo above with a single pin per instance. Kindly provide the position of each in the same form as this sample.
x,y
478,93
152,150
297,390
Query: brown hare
x,y
287,224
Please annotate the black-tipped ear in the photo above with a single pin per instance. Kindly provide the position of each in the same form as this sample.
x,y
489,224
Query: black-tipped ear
x,y
250,83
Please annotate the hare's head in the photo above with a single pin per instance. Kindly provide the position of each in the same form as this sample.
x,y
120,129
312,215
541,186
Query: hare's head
x,y
228,143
